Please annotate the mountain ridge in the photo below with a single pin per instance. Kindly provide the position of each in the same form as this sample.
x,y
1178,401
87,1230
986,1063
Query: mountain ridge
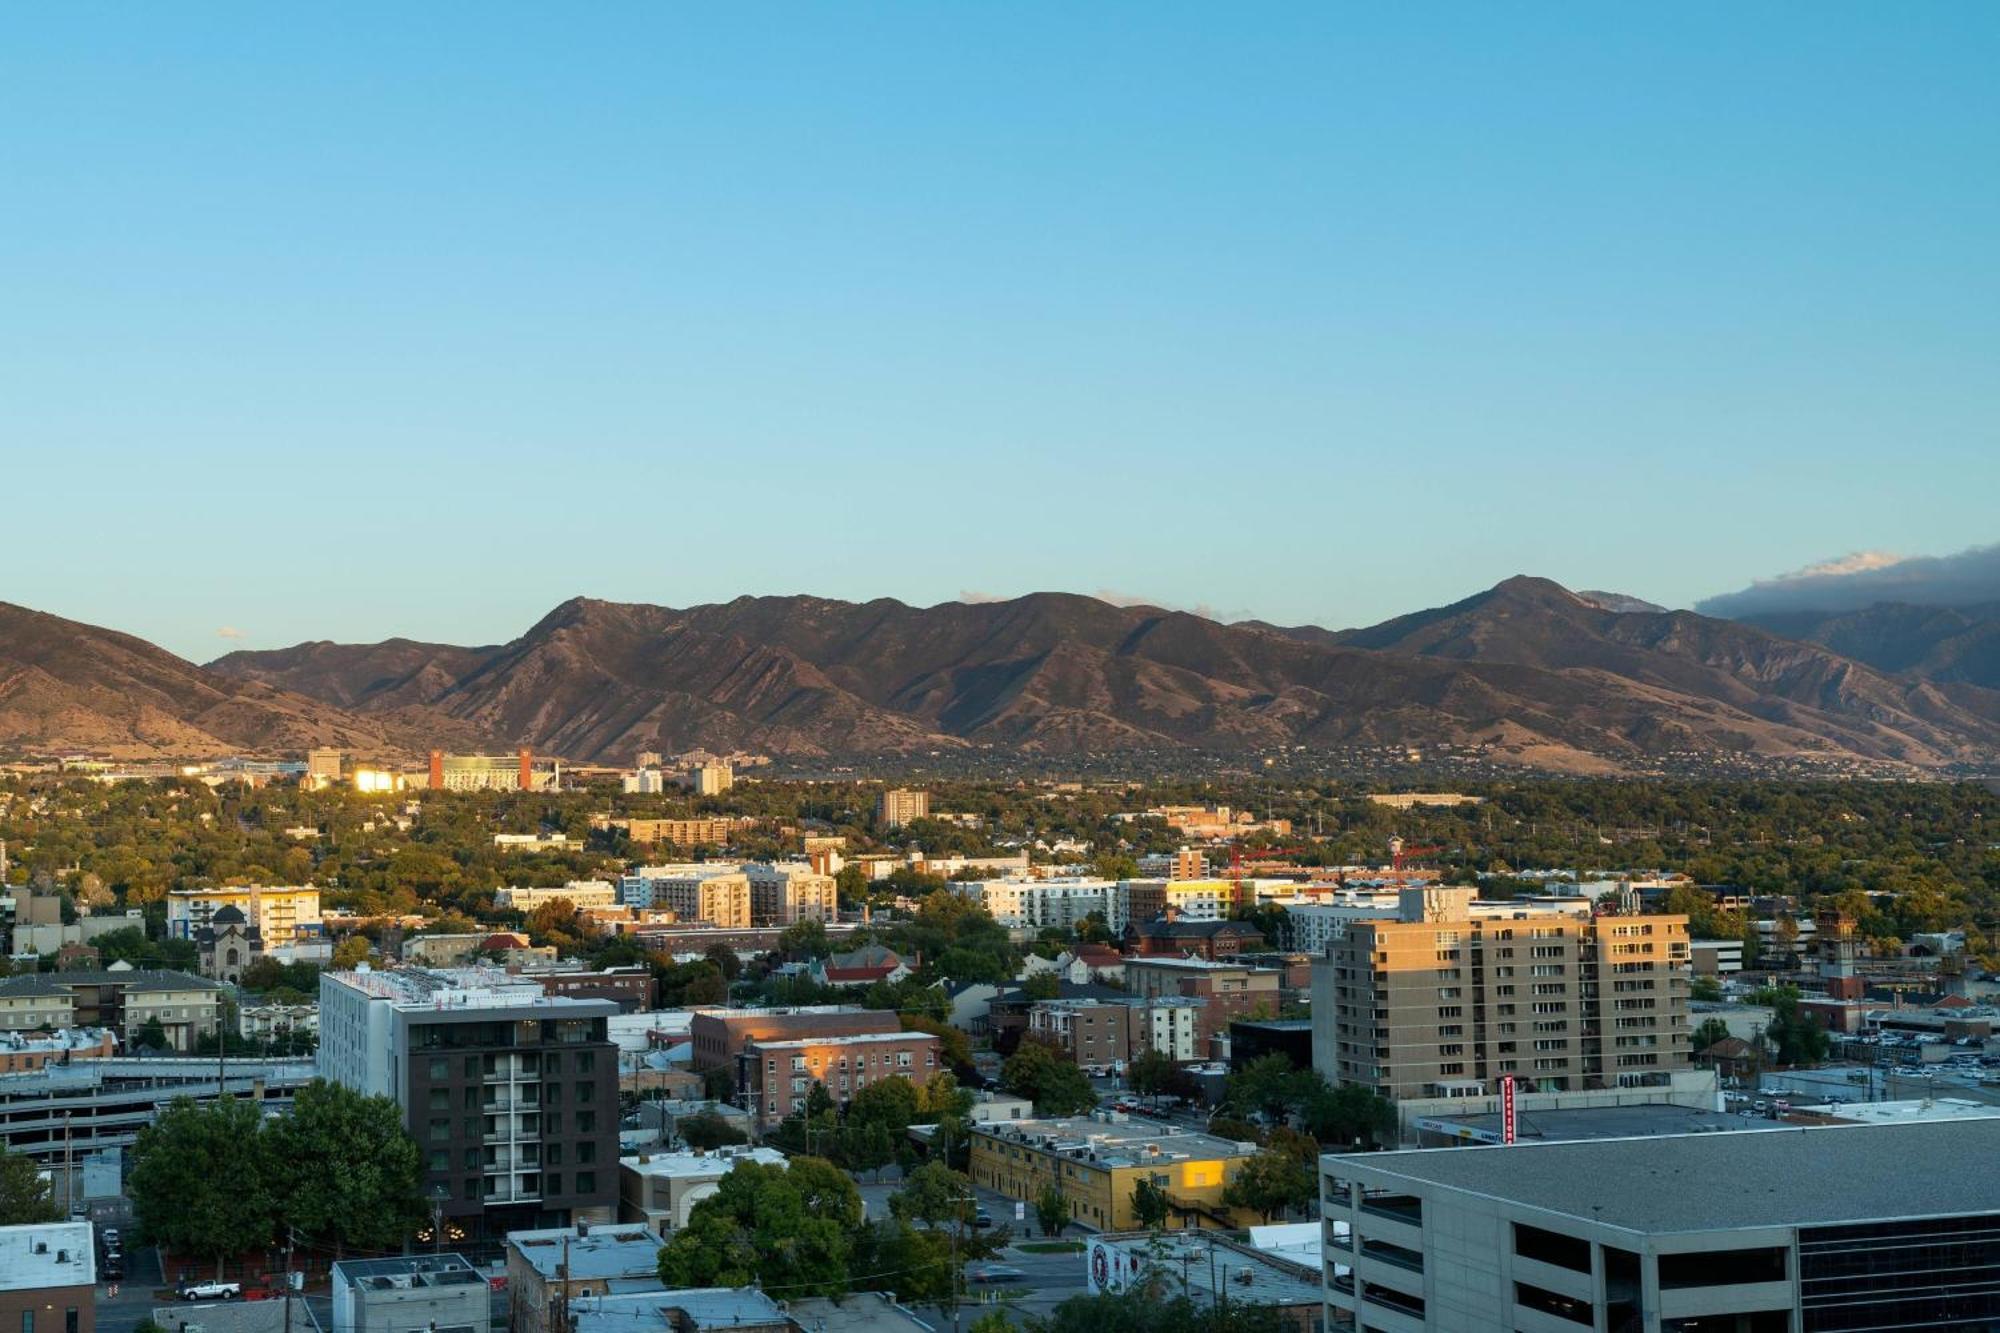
x,y
1527,666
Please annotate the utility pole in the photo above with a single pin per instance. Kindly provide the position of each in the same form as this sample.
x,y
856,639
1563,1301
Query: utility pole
x,y
291,1240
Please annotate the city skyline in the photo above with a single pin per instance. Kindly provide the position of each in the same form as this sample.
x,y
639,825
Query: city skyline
x,y
377,324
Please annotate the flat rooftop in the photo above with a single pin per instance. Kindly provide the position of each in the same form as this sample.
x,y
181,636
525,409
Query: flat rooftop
x,y
1824,1175
699,1164
437,989
843,1039
47,1254
625,1250
1186,1255
409,1271
1116,1142
1590,1122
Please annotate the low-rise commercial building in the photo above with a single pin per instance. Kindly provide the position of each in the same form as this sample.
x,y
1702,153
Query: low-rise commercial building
x,y
660,1189
774,1078
432,1293
1099,1163
551,1269
683,833
687,1310
1226,990
719,1035
578,893
1782,1231
48,1278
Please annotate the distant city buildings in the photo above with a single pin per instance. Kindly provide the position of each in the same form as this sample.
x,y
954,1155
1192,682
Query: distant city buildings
x,y
713,892
1098,1164
283,916
186,1008
710,779
519,771
579,893
898,806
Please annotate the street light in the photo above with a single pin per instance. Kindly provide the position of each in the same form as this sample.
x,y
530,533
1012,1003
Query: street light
x,y
440,1195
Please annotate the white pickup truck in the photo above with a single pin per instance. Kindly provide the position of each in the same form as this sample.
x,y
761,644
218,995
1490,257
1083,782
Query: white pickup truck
x,y
211,1291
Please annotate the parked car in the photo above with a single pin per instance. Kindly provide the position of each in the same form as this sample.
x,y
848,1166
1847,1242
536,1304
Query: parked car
x,y
982,1218
994,1273
211,1291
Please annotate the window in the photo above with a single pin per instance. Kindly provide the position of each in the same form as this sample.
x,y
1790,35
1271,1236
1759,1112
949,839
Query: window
x,y
553,1095
440,1099
586,1122
440,1129
584,1093
440,1068
440,1160
586,1182
552,1184
584,1061
69,1320
586,1152
27,1321
472,1067
553,1154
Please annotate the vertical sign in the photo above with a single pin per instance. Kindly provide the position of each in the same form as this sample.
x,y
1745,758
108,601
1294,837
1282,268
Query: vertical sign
x,y
1507,1109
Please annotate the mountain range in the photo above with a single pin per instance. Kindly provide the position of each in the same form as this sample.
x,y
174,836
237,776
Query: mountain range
x,y
1538,675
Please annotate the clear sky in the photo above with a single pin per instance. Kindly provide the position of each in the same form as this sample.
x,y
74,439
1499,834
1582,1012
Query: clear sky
x,y
347,321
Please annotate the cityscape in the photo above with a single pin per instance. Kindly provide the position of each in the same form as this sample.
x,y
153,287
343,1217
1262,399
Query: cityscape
x,y
1014,669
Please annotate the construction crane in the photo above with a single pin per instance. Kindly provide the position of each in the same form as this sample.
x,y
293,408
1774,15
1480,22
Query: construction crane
x,y
1401,852
1236,865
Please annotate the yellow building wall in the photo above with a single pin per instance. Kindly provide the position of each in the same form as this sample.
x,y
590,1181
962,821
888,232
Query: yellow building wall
x,y
1101,1196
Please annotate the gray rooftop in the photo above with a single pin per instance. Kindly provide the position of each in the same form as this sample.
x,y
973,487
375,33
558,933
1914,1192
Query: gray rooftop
x,y
1824,1175
1593,1122
138,978
702,1307
625,1250
424,1270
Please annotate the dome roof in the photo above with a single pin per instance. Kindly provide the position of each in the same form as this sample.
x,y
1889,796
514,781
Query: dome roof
x,y
227,916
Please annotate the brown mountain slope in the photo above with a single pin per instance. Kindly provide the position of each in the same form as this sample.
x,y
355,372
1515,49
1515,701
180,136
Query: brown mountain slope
x,y
1059,673
1533,622
1945,644
66,686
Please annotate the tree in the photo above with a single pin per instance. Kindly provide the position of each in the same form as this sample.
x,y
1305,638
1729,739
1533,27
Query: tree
x,y
1048,1078
1710,1032
1705,988
1270,1183
889,1102
24,1195
933,1195
152,1035
1272,1085
789,1230
1150,1205
198,1182
1350,1114
343,1169
1151,1073
725,960
804,941
1157,1307
706,1131
1042,986
350,953
1052,1209
1798,1038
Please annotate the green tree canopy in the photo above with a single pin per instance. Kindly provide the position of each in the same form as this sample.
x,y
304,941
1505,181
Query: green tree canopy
x,y
1048,1078
343,1170
789,1229
1270,1183
199,1179
24,1195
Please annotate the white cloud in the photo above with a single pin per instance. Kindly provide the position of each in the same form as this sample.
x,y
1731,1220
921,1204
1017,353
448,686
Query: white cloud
x,y
230,632
1863,578
973,597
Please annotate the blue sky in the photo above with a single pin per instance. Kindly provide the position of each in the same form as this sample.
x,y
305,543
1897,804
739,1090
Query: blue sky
x,y
349,322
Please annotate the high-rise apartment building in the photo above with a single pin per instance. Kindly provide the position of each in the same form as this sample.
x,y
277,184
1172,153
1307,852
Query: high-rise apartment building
x,y
511,1093
711,891
283,914
787,892
899,806
1444,1002
710,779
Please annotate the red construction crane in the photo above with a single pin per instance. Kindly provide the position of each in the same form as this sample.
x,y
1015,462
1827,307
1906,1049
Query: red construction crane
x,y
1236,864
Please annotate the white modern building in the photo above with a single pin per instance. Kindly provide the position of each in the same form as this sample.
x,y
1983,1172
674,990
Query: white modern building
x,y
579,893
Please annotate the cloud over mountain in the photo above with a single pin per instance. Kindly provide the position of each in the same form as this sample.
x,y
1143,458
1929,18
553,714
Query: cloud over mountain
x,y
1853,582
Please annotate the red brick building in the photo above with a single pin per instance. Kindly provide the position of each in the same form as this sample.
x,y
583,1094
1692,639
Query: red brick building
x,y
774,1078
719,1035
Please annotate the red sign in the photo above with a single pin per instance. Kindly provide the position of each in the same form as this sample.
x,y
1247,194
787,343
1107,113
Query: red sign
x,y
1507,1109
